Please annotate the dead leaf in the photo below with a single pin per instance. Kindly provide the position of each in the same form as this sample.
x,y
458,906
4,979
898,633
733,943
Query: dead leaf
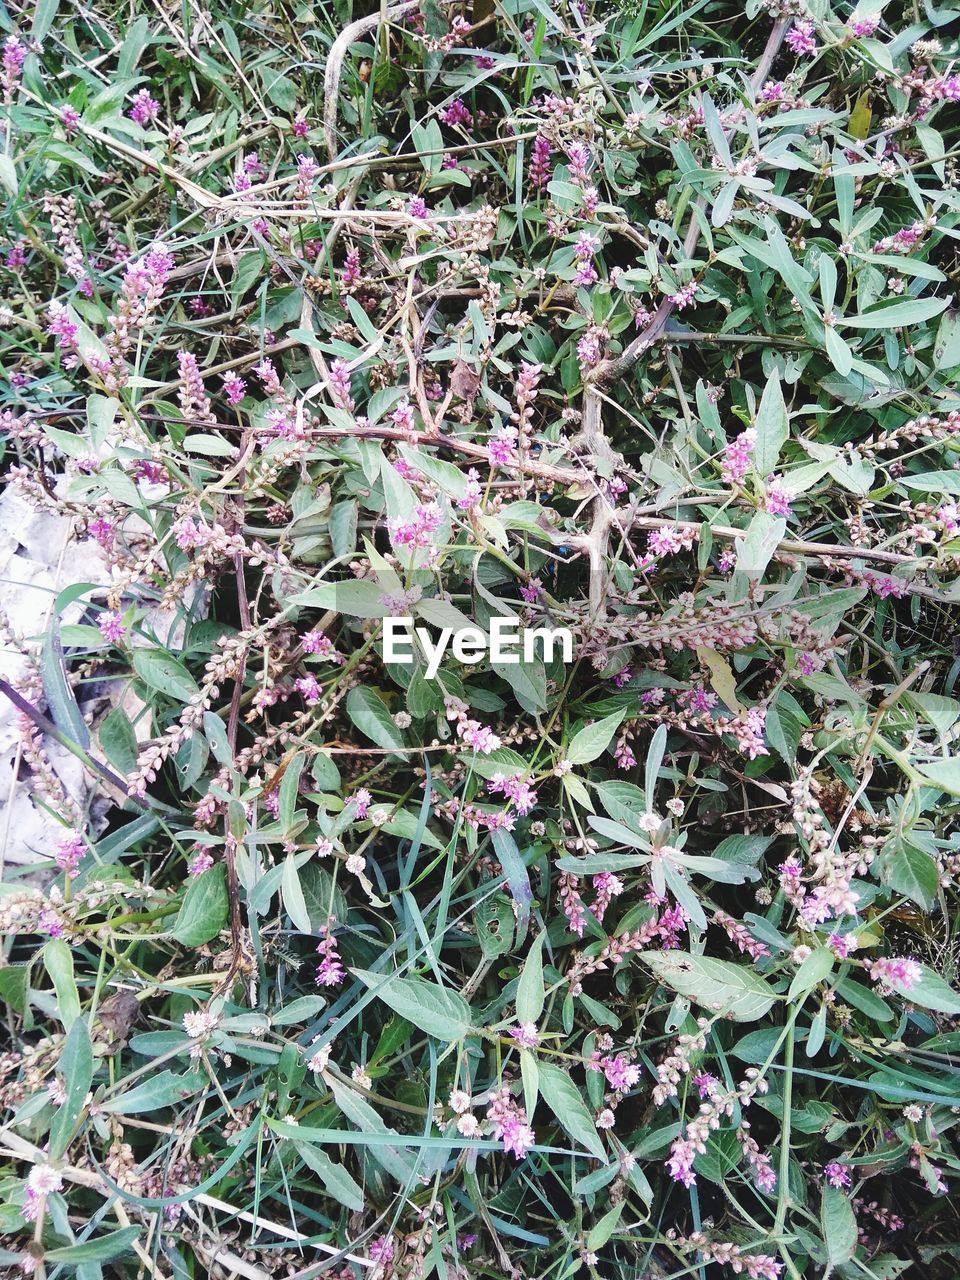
x,y
722,680
464,382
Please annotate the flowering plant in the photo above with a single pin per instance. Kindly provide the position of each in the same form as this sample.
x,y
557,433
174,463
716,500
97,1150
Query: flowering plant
x,y
624,320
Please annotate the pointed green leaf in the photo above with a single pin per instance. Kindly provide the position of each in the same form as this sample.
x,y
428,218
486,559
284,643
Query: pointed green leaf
x,y
436,1010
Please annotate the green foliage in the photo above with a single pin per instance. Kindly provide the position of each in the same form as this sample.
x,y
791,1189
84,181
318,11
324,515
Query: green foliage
x,y
632,319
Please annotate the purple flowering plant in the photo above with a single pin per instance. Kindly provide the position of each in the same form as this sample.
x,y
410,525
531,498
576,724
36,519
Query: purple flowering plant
x,y
634,960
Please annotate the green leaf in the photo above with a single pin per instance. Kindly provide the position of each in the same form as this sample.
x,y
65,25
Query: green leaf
x,y
43,16
358,1111
13,985
68,153
119,741
163,1090
941,712
601,1233
841,357
864,999
517,877
655,753
944,774
343,528
593,739
337,1182
8,176
205,908
773,426
441,1013
289,791
58,960
530,990
60,697
113,1245
293,899
165,673
755,549
371,717
946,350
811,971
622,800
893,315
563,1098
731,990
839,1225
932,992
76,1066
319,895
933,482
914,874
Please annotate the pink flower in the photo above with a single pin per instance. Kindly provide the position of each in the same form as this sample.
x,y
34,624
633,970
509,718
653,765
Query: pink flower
x,y
102,531
778,500
748,731
836,1175
538,174
510,1125
202,861
111,627
457,114
620,1072
144,109
472,493
863,26
501,447
420,531
309,689
800,38
382,1250
706,1085
192,395
572,904
590,346
680,1164
685,296
69,852
515,788
737,457
671,927
478,736
234,388
42,1181
840,945
69,118
362,801
402,416
14,56
350,275
417,208
340,391
330,970
668,541
578,159
316,642
61,327
526,1035
890,972
307,170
